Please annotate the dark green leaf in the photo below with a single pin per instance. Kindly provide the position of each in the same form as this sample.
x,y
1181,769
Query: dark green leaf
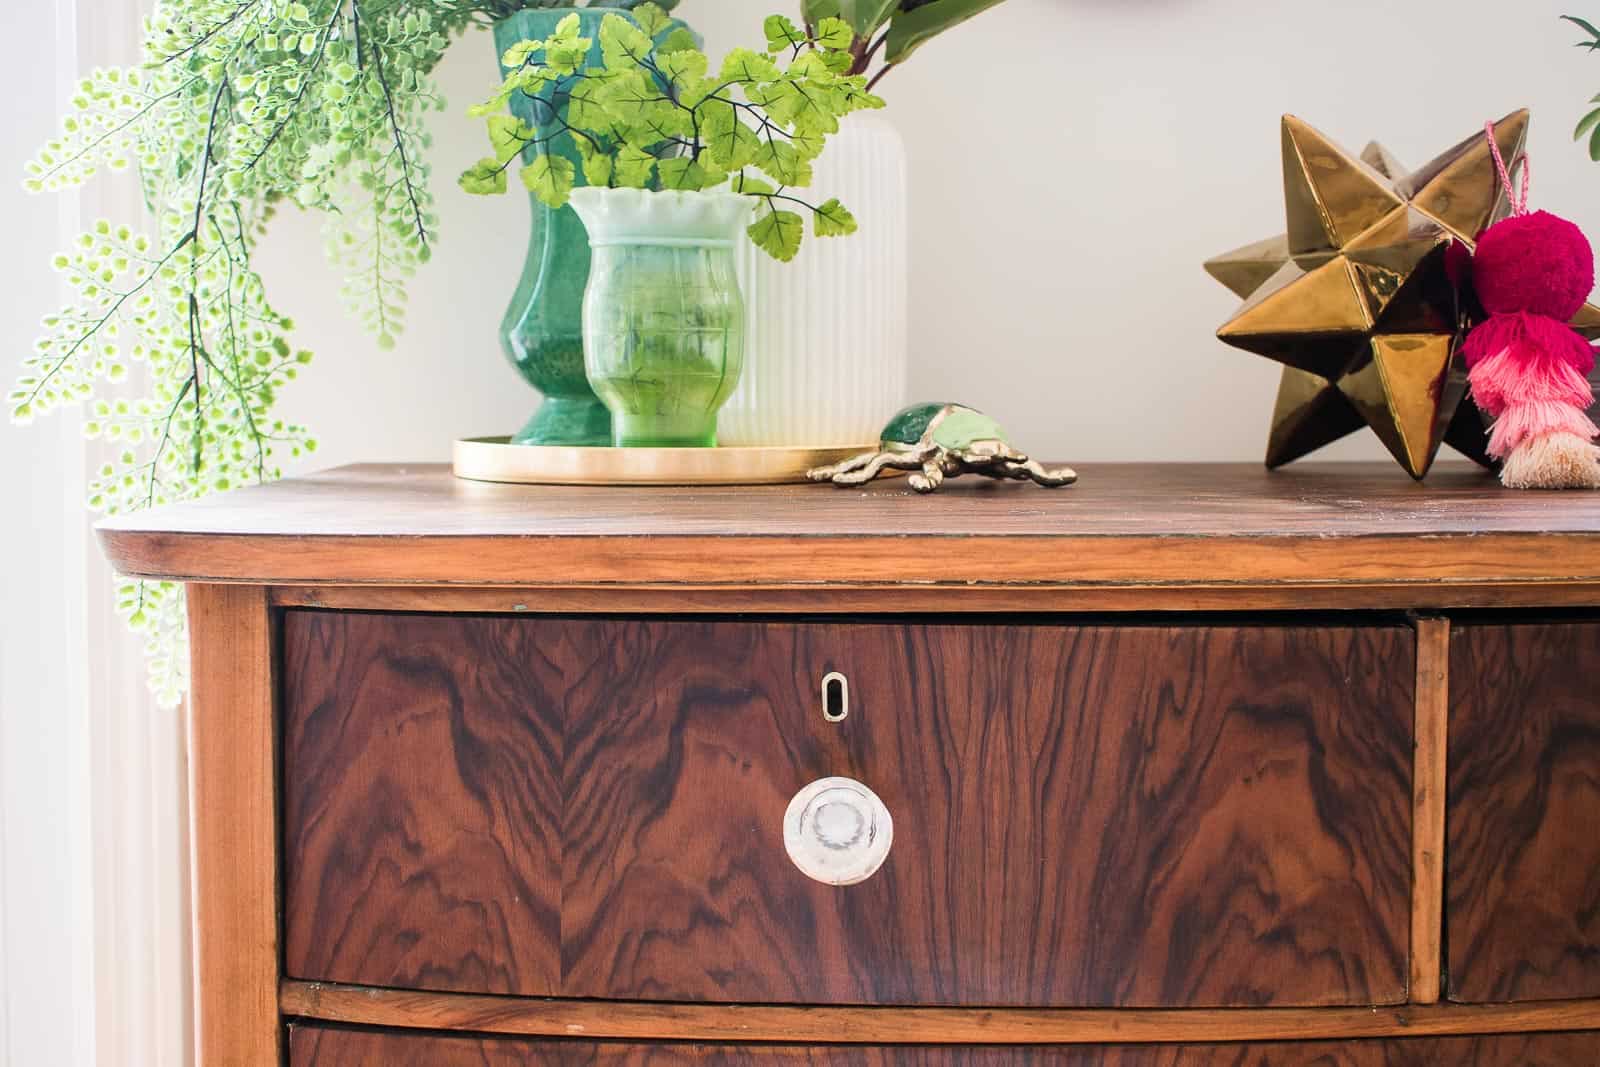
x,y
910,30
1583,24
867,15
1586,124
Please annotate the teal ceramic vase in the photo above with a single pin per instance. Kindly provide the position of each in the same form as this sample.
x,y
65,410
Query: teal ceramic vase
x,y
542,332
663,316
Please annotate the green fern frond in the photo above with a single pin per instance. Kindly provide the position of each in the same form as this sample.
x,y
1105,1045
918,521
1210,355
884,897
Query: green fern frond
x,y
235,107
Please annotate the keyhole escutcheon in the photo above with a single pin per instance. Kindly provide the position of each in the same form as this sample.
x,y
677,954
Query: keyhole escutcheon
x,y
835,697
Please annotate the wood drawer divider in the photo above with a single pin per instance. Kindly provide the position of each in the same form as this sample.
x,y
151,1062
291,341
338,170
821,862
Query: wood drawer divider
x,y
1427,809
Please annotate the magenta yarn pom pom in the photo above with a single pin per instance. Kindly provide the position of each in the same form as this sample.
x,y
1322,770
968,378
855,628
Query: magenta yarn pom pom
x,y
1536,262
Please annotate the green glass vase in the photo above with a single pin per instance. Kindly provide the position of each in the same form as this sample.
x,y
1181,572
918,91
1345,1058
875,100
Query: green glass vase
x,y
542,331
663,317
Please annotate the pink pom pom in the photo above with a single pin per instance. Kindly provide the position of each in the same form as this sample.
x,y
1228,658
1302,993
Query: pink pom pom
x,y
1535,262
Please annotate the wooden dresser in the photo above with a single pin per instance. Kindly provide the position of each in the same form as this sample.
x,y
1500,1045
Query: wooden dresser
x,y
1186,765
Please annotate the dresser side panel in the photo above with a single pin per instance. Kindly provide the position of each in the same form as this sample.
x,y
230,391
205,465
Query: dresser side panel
x,y
233,827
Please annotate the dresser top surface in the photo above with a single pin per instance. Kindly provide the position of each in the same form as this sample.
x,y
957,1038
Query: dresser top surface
x,y
1189,499
417,523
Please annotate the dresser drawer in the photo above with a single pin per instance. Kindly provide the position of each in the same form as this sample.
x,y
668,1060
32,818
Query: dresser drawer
x,y
311,1046
1082,815
1523,855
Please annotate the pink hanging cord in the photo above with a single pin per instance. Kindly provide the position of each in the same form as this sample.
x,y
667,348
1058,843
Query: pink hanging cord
x,y
1519,205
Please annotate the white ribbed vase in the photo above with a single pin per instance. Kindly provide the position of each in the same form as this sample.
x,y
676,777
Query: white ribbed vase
x,y
825,344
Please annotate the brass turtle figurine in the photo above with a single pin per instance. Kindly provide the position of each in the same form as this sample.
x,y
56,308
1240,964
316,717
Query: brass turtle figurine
x,y
939,441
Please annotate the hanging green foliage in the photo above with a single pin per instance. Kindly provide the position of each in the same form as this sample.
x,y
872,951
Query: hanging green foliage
x,y
237,109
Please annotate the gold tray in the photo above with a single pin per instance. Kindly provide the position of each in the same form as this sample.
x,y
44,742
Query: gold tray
x,y
495,459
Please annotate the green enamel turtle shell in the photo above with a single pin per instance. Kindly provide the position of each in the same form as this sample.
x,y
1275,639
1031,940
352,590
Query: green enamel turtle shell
x,y
951,426
933,442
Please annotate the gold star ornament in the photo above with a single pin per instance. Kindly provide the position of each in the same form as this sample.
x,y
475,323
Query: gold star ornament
x,y
1354,300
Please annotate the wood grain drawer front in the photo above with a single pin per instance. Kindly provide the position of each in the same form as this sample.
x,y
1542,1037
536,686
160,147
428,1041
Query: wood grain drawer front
x,y
312,1046
1108,816
422,802
1522,847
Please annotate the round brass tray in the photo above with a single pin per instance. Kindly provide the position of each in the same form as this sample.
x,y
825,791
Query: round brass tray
x,y
495,459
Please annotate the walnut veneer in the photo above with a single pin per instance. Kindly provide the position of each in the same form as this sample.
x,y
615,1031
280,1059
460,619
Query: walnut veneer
x,y
1187,765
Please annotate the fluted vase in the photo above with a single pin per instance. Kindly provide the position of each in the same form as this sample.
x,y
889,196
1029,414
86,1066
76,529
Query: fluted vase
x,y
825,351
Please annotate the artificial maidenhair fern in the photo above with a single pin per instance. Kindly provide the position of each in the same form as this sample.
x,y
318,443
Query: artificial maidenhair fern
x,y
653,115
237,109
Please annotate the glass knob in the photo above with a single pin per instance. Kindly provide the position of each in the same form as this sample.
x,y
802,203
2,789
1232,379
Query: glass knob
x,y
837,831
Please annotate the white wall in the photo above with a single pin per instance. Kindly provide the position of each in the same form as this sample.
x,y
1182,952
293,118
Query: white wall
x,y
1066,189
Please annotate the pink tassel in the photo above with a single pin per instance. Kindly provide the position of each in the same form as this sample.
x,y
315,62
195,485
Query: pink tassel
x,y
1523,372
1531,386
1539,418
1534,331
1539,400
